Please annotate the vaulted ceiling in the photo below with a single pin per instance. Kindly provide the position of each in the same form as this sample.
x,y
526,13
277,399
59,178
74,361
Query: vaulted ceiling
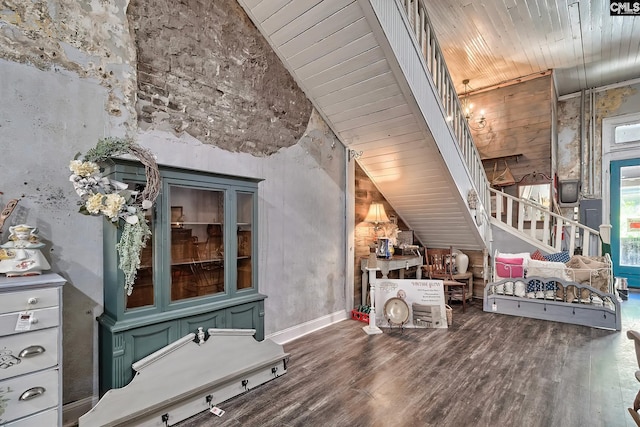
x,y
357,62
495,41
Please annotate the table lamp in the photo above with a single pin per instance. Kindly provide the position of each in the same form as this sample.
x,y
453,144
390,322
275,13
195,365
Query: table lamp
x,y
376,215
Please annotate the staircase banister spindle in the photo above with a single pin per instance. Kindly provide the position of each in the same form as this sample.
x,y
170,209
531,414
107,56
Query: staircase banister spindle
x,y
545,229
586,239
559,236
509,212
572,237
520,215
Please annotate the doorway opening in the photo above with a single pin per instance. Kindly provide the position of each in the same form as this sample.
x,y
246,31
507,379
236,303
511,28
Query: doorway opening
x,y
621,207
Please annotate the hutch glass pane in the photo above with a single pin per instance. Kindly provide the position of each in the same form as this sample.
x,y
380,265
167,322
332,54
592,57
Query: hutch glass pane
x,y
197,242
142,294
245,249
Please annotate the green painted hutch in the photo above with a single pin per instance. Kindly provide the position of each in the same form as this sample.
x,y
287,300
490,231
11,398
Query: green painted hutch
x,y
198,269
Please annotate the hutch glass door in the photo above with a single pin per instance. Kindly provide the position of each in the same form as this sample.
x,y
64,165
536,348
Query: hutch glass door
x,y
143,294
197,242
245,243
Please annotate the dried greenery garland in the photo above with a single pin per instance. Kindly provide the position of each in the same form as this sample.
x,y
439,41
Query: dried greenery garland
x,y
123,207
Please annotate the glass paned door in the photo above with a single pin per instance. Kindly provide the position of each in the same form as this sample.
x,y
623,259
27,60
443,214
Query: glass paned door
x,y
143,289
197,242
625,219
245,241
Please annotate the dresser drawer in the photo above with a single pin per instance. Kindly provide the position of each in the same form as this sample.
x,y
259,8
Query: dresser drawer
x,y
29,299
28,352
29,394
42,319
43,419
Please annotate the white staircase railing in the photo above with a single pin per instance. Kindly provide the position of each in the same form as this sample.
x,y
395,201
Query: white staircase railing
x,y
425,36
533,223
541,227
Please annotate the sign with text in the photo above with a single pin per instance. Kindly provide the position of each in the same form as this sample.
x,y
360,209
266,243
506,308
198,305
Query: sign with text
x,y
622,8
410,303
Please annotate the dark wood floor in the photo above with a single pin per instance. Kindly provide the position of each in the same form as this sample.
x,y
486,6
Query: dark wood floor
x,y
486,370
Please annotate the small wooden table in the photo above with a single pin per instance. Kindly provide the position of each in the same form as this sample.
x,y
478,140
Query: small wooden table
x,y
397,262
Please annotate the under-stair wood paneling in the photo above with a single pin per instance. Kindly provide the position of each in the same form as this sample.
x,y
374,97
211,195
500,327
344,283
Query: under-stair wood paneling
x,y
365,194
478,265
360,66
519,120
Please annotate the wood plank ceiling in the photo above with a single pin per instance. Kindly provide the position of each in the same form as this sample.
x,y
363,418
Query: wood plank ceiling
x,y
332,49
496,41
334,54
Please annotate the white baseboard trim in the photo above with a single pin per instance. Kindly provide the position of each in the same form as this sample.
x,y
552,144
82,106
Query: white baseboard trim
x,y
290,334
74,410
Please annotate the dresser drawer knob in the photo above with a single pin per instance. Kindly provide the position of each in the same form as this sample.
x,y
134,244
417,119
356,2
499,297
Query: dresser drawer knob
x,y
32,301
31,393
31,351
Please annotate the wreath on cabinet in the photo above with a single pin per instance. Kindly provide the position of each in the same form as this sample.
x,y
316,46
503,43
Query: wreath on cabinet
x,y
125,208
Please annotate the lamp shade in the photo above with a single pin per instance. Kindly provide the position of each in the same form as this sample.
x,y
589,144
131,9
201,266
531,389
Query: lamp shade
x,y
376,214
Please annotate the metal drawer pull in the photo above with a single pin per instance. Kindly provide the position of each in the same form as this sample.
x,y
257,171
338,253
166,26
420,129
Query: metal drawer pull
x,y
32,301
31,351
31,393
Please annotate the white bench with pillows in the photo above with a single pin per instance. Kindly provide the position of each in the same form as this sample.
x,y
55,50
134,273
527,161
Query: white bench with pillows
x,y
571,289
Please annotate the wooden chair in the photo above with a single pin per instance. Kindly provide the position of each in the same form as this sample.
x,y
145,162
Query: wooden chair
x,y
635,336
439,265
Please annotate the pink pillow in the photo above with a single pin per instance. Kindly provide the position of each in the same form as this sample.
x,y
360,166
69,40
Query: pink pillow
x,y
509,267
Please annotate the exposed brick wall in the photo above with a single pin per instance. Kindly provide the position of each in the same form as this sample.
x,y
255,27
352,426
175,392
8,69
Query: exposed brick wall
x,y
204,69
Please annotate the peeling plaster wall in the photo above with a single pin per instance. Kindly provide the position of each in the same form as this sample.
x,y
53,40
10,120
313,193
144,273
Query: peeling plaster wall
x,y
68,76
301,218
608,103
89,39
569,156
45,119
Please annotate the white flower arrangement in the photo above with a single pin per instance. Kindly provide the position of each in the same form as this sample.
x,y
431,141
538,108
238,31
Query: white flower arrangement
x,y
390,231
112,199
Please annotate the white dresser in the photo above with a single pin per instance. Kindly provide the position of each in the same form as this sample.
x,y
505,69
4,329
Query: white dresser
x,y
31,351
